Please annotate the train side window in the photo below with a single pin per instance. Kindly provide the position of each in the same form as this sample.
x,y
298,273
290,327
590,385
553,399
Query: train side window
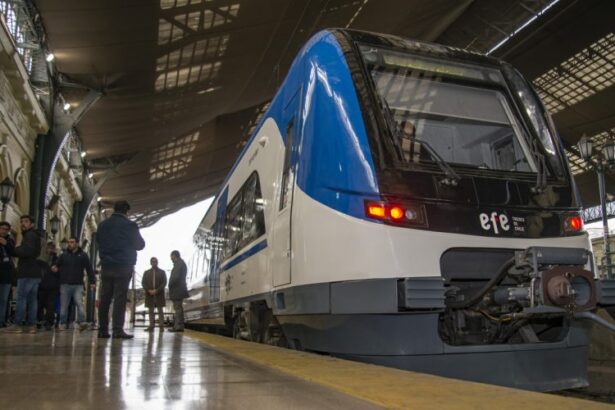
x,y
287,179
253,216
245,219
259,210
232,228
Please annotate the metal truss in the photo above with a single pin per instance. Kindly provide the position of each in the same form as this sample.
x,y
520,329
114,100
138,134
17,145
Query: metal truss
x,y
594,213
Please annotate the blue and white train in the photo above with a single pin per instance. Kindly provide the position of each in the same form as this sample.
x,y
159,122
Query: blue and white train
x,y
405,204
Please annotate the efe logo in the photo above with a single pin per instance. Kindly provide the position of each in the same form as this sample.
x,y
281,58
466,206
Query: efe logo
x,y
494,222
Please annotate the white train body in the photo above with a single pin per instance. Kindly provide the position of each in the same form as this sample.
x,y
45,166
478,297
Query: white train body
x,y
296,255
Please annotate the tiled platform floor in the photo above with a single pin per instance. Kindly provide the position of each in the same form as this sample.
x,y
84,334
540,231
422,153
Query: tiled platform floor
x,y
72,370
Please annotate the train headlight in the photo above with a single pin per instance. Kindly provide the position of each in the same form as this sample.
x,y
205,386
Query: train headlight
x,y
412,214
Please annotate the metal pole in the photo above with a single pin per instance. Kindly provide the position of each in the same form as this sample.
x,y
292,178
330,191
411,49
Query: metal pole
x,y
91,305
605,222
134,300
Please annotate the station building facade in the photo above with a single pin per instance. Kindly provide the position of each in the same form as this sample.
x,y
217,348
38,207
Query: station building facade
x,y
24,124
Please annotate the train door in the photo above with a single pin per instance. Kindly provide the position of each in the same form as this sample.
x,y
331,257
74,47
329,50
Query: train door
x,y
282,249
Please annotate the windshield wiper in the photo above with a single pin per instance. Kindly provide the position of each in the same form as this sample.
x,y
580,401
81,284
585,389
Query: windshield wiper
x,y
541,172
451,179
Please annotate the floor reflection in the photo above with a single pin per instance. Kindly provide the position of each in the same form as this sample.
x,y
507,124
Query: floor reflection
x,y
72,370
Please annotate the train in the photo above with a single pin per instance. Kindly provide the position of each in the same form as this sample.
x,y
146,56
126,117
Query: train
x,y
405,204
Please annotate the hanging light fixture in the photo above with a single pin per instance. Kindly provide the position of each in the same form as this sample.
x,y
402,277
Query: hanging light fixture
x,y
54,224
7,187
585,146
608,151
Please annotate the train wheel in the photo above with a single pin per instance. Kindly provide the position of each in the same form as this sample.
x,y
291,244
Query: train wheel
x,y
236,329
272,331
241,328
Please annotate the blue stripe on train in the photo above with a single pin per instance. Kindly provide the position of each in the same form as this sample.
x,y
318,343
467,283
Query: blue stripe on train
x,y
251,251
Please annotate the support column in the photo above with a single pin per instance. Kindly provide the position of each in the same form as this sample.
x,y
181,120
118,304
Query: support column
x,y
90,307
89,190
48,151
605,223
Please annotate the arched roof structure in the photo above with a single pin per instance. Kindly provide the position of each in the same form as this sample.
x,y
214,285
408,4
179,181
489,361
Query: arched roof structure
x,y
184,81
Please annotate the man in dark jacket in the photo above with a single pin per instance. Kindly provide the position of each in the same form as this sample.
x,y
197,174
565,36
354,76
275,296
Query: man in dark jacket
x,y
48,289
154,281
71,265
28,276
178,291
7,268
118,242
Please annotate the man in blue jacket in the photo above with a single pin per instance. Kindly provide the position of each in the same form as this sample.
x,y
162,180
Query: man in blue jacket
x,y
71,264
118,242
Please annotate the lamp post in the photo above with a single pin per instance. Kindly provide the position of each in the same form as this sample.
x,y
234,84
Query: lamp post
x,y
54,224
585,146
6,191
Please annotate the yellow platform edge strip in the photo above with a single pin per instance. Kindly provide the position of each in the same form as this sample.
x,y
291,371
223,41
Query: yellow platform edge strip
x,y
388,387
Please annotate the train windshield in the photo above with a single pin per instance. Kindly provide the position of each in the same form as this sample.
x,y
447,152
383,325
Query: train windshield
x,y
449,111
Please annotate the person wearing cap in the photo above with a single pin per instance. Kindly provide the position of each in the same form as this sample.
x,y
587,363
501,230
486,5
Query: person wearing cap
x,y
118,242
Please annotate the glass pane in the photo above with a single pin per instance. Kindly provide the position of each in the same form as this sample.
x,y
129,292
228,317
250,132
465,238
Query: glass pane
x,y
248,212
287,179
258,225
461,111
233,226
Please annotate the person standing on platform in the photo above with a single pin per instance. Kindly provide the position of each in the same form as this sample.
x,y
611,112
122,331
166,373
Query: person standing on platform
x,y
7,268
28,276
71,265
48,289
118,242
154,281
178,291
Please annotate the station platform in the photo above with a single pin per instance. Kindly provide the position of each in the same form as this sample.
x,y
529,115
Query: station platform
x,y
72,370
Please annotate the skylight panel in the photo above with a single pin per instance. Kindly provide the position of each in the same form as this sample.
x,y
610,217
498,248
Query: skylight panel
x,y
586,73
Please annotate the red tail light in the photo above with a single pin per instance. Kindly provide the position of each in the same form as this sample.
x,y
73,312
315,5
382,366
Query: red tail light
x,y
396,213
376,210
573,224
411,214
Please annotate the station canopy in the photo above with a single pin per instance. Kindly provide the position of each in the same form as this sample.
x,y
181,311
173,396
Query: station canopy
x,y
185,81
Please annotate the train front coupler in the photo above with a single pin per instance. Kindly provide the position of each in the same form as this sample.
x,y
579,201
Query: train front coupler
x,y
554,282
532,297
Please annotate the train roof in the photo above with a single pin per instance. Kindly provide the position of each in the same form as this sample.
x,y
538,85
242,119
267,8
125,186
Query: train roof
x,y
370,38
415,46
